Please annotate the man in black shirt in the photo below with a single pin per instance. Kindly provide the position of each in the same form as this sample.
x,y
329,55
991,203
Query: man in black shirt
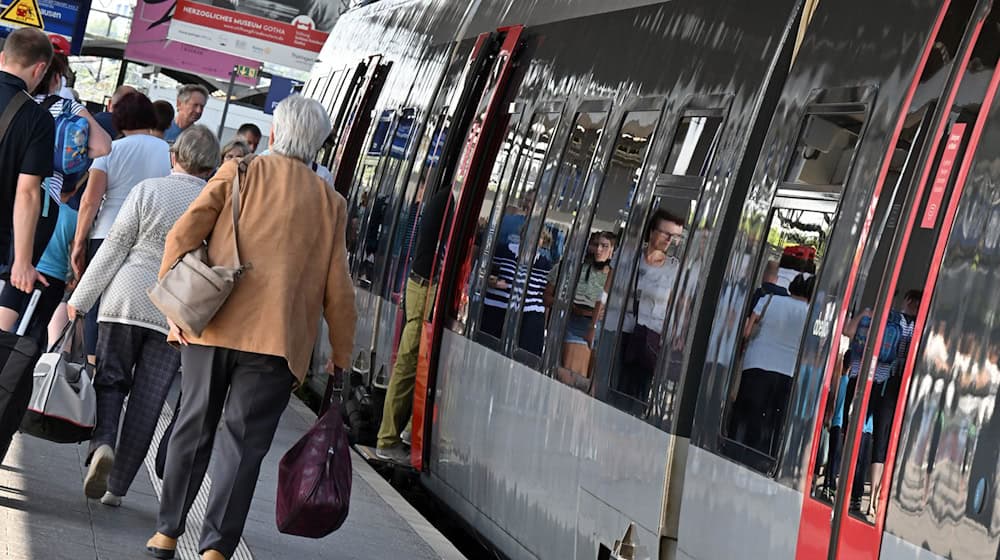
x,y
399,396
25,153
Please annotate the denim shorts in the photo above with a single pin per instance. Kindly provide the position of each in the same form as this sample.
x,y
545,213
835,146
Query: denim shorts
x,y
577,329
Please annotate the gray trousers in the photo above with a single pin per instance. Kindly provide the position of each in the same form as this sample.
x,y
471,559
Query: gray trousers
x,y
258,389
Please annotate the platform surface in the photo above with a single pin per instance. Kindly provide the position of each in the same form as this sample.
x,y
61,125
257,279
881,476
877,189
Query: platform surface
x,y
44,514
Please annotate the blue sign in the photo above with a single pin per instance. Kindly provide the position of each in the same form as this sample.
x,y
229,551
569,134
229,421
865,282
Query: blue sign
x,y
60,17
279,90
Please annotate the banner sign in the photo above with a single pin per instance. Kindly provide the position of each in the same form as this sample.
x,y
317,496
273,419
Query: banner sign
x,y
59,17
289,33
148,44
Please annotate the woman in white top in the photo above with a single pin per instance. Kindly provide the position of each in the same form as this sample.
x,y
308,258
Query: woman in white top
x,y
769,364
137,156
646,308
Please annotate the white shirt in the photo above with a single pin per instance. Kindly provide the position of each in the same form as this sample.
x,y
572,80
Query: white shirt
x,y
775,347
133,159
652,293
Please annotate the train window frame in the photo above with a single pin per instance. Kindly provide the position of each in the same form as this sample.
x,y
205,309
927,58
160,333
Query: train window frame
x,y
476,289
730,447
716,106
593,105
519,175
635,201
827,102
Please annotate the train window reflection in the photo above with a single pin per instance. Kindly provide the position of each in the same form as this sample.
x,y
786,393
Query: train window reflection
x,y
649,296
567,194
825,149
773,329
502,275
692,145
610,217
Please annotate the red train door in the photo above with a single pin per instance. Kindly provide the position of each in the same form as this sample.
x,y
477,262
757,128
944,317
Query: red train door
x,y
477,124
849,474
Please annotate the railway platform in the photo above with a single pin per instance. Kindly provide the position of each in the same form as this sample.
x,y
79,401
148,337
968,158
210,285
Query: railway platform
x,y
44,514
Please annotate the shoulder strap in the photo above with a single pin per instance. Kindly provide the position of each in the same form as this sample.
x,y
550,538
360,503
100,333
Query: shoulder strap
x,y
19,99
241,171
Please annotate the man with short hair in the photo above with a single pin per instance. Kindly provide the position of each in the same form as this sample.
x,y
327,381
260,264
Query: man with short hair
x,y
251,134
191,100
104,117
25,159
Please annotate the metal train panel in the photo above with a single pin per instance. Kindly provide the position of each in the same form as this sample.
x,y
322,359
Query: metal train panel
x,y
732,512
552,467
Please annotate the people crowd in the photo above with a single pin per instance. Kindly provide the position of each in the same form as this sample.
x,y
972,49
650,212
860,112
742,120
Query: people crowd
x,y
94,242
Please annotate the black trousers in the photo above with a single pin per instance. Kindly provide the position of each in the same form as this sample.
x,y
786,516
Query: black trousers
x,y
760,408
258,389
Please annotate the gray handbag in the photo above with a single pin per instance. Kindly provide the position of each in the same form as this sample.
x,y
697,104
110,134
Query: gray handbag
x,y
193,290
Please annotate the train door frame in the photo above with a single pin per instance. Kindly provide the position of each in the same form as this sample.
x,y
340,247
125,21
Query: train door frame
x,y
492,64
829,529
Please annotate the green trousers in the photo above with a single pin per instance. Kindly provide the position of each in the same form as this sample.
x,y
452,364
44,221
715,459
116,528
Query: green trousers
x,y
399,397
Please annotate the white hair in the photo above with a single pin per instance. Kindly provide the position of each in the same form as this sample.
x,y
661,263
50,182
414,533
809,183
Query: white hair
x,y
300,126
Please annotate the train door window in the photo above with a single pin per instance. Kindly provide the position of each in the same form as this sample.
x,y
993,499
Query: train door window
x,y
773,327
367,202
564,203
825,149
501,278
693,144
608,222
648,291
494,201
885,223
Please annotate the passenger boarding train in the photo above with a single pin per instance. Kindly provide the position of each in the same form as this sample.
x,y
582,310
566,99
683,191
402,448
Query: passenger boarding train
x,y
719,272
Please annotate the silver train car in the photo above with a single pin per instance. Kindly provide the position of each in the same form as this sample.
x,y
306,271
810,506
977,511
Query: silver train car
x,y
717,272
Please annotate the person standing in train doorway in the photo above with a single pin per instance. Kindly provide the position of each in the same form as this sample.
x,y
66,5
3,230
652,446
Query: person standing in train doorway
x,y
398,406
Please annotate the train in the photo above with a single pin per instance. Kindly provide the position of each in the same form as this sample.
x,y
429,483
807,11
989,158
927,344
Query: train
x,y
718,281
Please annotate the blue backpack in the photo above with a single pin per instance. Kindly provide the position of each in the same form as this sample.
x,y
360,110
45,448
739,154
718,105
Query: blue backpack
x,y
72,138
893,333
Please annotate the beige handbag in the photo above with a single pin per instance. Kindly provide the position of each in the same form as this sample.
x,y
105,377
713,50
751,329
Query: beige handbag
x,y
192,291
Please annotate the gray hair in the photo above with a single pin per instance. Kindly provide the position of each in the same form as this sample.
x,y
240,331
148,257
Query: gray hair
x,y
236,143
197,150
187,91
300,127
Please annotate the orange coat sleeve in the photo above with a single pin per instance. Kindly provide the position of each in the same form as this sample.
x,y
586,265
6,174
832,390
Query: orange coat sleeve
x,y
195,225
338,302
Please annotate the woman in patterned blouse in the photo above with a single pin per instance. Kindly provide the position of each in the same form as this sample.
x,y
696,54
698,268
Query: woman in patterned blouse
x,y
134,357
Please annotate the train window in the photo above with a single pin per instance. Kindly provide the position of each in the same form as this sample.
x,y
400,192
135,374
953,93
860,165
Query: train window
x,y
691,149
495,199
501,278
648,295
825,149
772,331
564,202
610,217
370,202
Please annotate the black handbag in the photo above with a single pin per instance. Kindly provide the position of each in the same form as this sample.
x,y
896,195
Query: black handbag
x,y
642,345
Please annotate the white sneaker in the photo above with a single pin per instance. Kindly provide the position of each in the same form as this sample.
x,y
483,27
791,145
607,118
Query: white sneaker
x,y
96,483
405,437
110,499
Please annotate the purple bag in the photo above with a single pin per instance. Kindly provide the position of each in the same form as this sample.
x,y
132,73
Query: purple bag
x,y
314,479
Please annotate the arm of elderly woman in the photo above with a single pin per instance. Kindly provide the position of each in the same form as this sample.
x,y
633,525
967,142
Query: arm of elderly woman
x,y
195,225
338,303
113,252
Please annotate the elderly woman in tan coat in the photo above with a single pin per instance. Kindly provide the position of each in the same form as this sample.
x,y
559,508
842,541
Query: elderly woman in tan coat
x,y
256,349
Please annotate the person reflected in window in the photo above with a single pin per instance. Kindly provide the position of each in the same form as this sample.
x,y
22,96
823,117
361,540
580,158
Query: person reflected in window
x,y
587,308
532,336
647,306
774,331
503,266
890,359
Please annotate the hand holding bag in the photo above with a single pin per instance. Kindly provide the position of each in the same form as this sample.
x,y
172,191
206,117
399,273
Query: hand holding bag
x,y
192,291
314,478
63,406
